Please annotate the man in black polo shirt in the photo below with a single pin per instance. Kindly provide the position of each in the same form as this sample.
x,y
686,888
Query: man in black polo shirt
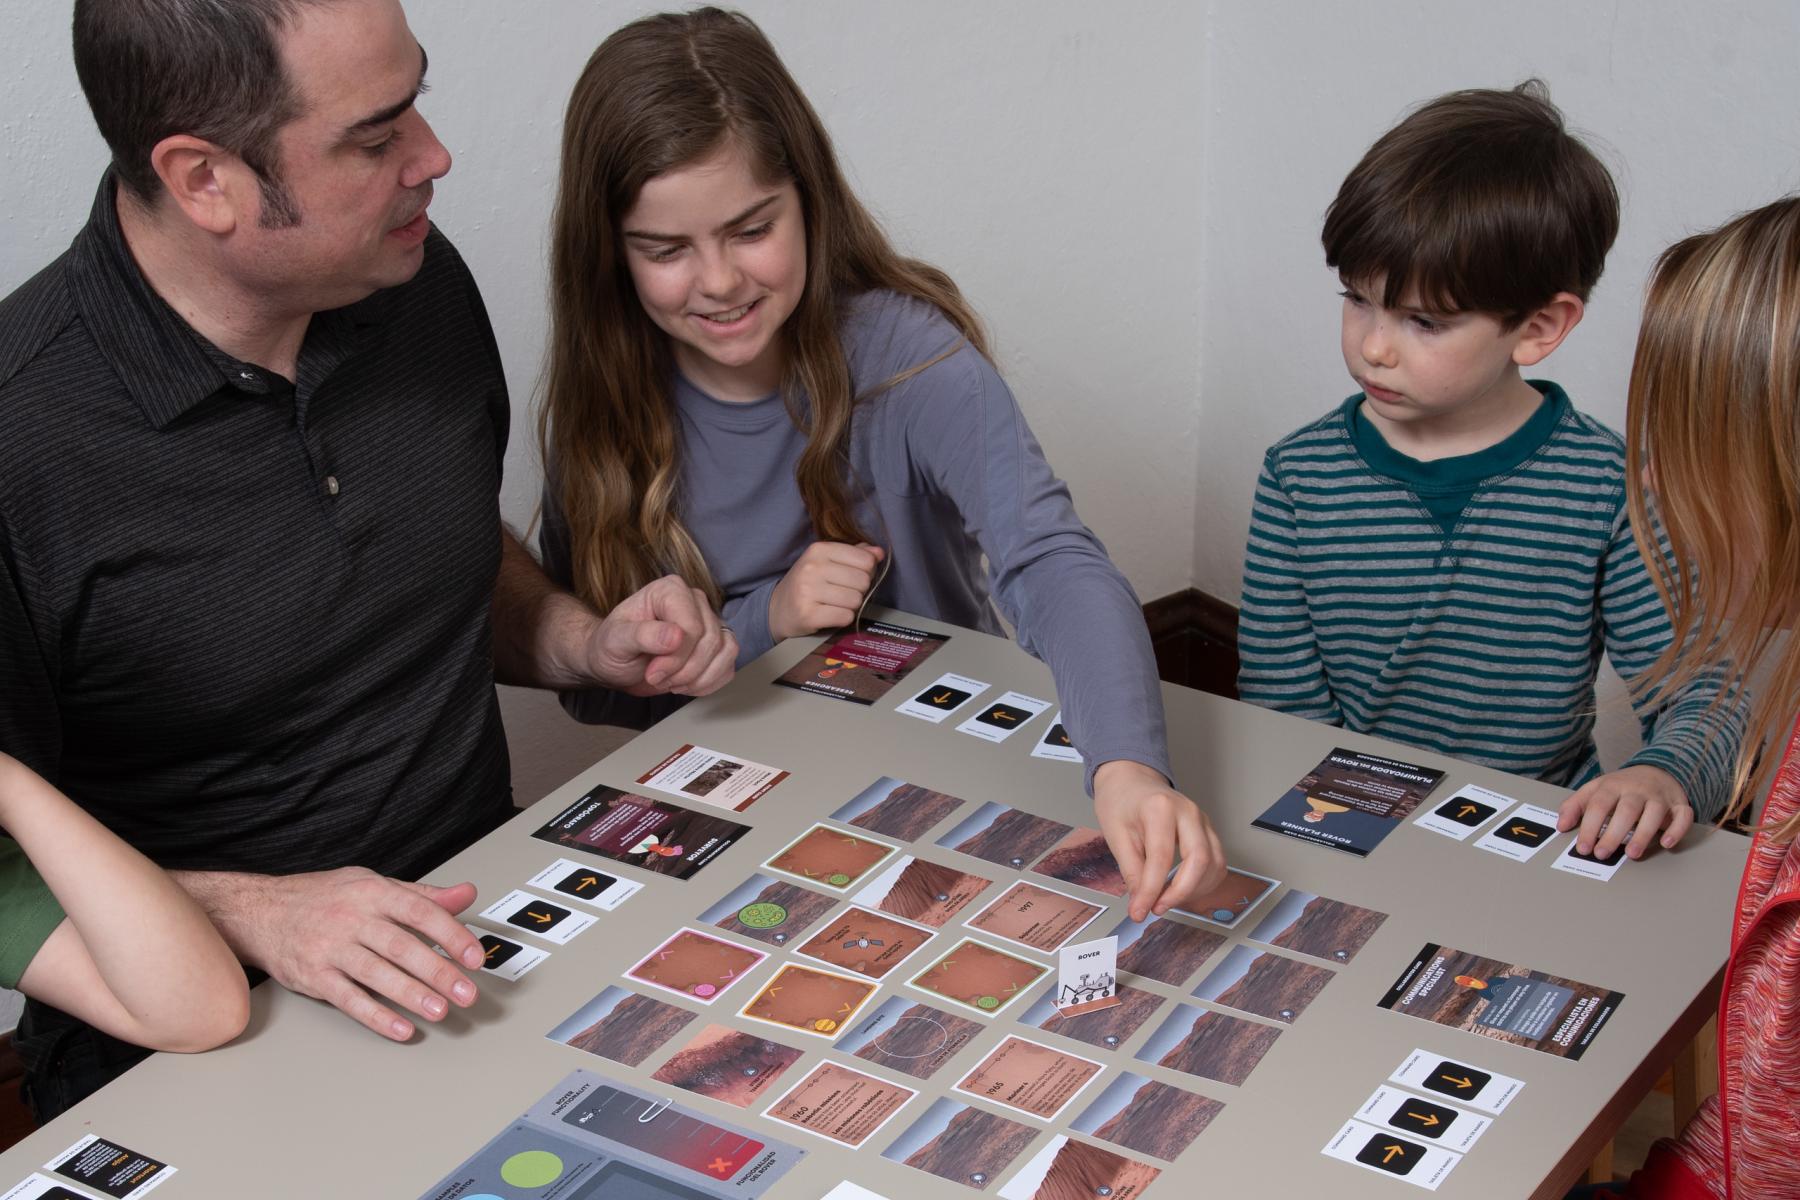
x,y
254,588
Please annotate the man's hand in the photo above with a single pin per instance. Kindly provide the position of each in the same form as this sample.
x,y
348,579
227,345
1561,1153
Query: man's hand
x,y
664,637
1145,822
824,589
1635,802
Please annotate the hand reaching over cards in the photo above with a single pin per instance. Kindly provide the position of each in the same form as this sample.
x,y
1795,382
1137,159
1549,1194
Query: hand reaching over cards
x,y
824,589
1633,802
1146,822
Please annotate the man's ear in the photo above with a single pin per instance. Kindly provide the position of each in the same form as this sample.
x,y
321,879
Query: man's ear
x,y
203,181
1544,329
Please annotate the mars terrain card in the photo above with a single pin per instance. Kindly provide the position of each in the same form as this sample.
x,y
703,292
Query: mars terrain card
x,y
1149,1117
1208,1044
1163,949
727,1065
1055,744
539,918
594,888
1231,900
1350,801
1082,858
863,942
1314,925
965,1145
898,810
1468,809
1065,1167
831,858
912,1038
1035,917
1470,1086
723,781
696,965
1007,837
862,665
621,1026
1004,717
944,696
1266,985
1524,831
1030,1077
920,891
768,910
503,956
840,1103
980,978
1425,1120
811,1001
1501,1001
1385,1151
649,834
1108,1028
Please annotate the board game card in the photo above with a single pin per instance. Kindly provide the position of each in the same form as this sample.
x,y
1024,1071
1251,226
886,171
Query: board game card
x,y
1385,1151
1087,977
504,957
861,665
621,1026
1108,1028
1004,717
1526,830
650,834
1266,985
978,977
727,1065
965,1145
539,918
696,965
921,891
1065,1167
1164,949
865,943
110,1169
947,694
843,1191
1149,1117
1499,1000
596,889
1007,837
898,810
1055,744
836,1102
1030,1077
1208,1044
1426,1120
1350,801
768,910
1470,1086
1323,928
723,781
1035,917
42,1187
1232,900
1586,865
915,1039
1082,858
828,857
1464,812
814,1002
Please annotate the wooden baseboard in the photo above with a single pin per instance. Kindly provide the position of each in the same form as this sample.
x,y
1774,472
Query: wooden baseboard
x,y
1195,636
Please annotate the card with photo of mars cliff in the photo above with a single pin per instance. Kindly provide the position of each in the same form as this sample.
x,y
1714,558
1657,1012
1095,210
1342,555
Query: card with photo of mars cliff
x,y
1324,928
1149,1117
976,976
1006,837
914,1039
862,665
622,1026
696,965
840,1103
1031,1077
1107,1028
864,942
820,1003
916,890
1083,859
652,835
1164,949
727,1065
1350,801
1505,1002
965,1145
1266,985
1211,1045
1035,917
1067,1168
896,809
768,910
830,858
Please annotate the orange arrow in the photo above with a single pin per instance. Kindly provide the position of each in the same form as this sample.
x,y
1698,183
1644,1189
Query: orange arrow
x,y
1464,1082
1524,831
1465,810
1003,716
943,698
1428,1120
495,950
588,881
1390,1151
540,918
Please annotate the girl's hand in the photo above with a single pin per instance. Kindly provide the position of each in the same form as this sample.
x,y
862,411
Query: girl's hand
x,y
1632,802
1146,821
823,590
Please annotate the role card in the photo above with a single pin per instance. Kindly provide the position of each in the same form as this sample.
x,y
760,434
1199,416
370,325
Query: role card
x,y
1149,1117
1107,1028
836,1102
621,1026
723,781
914,1039
1082,858
596,889
1087,977
1232,900
829,858
863,942
1065,1167
1163,949
965,1145
696,965
1472,1087
504,957
1586,865
651,834
920,891
903,811
1266,985
814,1002
1030,1077
1425,1120
1006,837
1035,917
1314,925
1004,717
1467,810
110,1169
977,977
728,1065
1498,1000
1055,744
946,694
862,665
42,1187
768,910
1385,1151
1208,1044
1526,830
539,918
1350,801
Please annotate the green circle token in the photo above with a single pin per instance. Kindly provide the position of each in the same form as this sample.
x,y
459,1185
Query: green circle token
x,y
837,879
988,1002
763,914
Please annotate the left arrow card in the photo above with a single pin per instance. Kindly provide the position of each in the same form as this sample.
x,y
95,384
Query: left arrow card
x,y
540,918
596,889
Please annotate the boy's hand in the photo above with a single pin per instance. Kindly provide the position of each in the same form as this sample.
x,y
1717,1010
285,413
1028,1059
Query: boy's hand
x,y
1633,802
1145,822
823,590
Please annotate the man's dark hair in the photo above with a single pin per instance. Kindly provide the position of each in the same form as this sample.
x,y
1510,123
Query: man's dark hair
x,y
1479,201
208,68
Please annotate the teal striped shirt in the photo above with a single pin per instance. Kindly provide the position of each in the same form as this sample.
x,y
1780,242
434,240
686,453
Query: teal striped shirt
x,y
1482,641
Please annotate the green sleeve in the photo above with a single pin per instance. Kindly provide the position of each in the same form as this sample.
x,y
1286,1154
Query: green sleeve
x,y
28,912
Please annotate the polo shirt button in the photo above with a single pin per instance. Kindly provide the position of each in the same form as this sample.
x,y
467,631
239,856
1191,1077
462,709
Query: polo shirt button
x,y
331,485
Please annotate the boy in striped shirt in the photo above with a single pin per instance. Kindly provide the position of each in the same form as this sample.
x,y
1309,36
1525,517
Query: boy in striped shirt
x,y
1443,559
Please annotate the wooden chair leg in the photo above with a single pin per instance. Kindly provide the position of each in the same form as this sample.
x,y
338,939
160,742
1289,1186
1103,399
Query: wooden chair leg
x,y
1696,1073
1602,1169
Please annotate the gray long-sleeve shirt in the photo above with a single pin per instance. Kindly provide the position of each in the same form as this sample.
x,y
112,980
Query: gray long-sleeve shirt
x,y
949,472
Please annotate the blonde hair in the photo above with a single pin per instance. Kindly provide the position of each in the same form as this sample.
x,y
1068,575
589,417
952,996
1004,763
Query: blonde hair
x,y
1713,455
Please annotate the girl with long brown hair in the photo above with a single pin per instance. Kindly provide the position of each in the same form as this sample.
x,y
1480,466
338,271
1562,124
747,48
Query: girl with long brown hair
x,y
750,388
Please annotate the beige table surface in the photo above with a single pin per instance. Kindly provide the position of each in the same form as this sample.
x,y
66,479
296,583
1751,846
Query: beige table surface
x,y
307,1105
